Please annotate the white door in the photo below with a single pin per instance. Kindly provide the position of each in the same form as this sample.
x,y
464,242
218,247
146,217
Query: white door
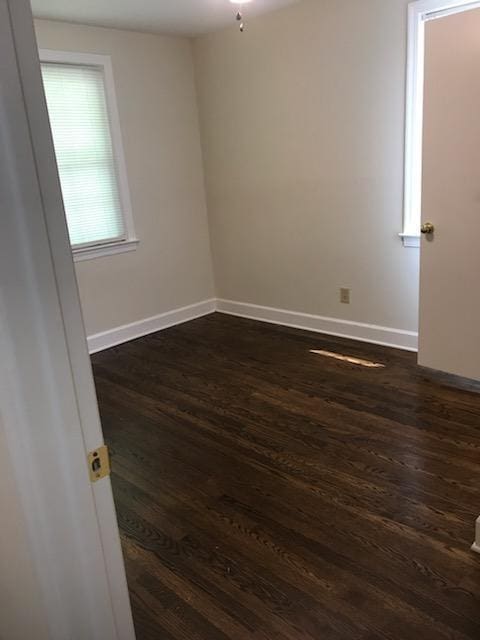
x,y
48,407
450,256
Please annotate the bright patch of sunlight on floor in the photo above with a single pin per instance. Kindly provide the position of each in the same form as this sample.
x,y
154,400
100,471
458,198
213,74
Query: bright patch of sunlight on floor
x,y
349,359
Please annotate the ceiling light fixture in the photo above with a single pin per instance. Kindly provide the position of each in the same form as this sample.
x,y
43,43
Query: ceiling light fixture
x,y
239,15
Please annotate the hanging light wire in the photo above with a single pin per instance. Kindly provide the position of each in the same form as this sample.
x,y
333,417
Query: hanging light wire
x,y
239,16
240,19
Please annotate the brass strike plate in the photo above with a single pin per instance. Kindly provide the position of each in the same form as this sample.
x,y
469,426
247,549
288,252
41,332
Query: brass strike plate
x,y
98,464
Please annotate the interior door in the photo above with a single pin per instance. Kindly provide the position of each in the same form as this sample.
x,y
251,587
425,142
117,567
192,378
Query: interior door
x,y
450,252
48,410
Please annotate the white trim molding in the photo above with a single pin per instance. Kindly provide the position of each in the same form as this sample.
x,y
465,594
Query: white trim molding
x,y
102,250
410,241
419,12
375,334
476,544
125,333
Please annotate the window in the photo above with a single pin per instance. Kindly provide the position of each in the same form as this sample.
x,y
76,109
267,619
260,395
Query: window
x,y
86,137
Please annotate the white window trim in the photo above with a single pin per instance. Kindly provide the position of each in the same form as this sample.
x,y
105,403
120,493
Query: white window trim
x,y
418,13
129,242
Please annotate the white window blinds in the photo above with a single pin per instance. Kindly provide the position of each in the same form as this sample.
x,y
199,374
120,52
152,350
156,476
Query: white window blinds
x,y
80,126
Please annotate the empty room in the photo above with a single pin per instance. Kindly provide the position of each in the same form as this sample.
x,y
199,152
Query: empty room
x,y
239,320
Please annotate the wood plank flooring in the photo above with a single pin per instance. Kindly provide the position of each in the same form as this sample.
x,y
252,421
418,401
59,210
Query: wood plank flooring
x,y
265,492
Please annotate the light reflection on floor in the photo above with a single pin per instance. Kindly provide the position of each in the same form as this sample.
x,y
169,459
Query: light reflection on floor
x,y
349,359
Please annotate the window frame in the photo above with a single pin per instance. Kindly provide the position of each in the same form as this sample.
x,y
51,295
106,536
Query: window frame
x,y
129,241
419,12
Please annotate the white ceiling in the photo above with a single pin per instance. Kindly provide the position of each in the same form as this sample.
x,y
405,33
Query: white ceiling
x,y
186,17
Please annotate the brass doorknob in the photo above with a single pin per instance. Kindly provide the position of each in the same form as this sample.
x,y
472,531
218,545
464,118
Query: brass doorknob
x,y
427,228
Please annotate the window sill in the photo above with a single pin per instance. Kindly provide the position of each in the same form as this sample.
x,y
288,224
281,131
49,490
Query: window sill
x,y
410,241
91,253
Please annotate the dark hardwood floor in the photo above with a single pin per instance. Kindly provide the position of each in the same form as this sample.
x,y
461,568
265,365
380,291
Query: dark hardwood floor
x,y
268,493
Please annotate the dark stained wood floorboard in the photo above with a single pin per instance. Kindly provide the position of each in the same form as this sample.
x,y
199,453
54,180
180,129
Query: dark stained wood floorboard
x,y
267,493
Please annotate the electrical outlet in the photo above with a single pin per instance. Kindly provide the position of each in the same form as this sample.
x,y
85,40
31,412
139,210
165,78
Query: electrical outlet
x,y
345,296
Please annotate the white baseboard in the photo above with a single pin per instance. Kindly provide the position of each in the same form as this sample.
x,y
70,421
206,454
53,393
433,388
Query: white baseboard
x,y
476,544
397,338
125,333
375,334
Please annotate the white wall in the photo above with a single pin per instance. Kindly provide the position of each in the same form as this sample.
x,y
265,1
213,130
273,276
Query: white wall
x,y
302,121
158,115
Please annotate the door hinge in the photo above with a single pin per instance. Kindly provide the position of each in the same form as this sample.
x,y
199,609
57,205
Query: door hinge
x,y
99,463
